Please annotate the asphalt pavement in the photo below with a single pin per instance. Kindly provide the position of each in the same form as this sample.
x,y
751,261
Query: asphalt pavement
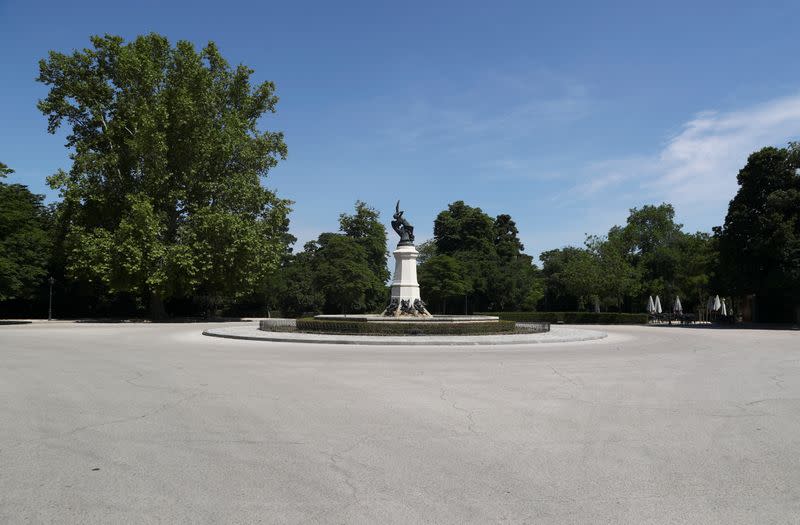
x,y
156,423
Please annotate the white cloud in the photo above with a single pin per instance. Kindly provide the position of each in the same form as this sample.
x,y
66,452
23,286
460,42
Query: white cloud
x,y
700,163
716,145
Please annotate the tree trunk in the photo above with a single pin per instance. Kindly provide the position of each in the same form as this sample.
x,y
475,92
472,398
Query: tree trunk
x,y
157,311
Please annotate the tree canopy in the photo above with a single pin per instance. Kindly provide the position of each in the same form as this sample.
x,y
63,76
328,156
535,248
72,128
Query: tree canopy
x,y
760,241
650,255
487,253
164,196
342,272
25,239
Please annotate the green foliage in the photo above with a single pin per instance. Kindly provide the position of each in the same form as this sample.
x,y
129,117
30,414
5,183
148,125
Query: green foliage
x,y
617,276
760,241
426,250
25,240
342,273
486,262
463,228
573,276
311,325
574,317
5,170
337,273
441,277
651,237
164,197
515,284
366,229
506,240
650,255
293,287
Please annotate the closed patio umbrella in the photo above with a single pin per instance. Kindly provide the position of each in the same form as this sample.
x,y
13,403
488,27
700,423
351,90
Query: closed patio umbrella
x,y
658,305
677,307
717,304
724,310
651,307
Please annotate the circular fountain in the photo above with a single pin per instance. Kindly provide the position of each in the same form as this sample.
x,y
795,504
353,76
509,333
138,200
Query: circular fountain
x,y
406,320
406,313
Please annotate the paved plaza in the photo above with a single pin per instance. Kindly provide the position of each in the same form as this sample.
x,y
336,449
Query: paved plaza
x,y
156,423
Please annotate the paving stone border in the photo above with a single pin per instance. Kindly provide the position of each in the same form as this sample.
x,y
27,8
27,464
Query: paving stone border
x,y
557,334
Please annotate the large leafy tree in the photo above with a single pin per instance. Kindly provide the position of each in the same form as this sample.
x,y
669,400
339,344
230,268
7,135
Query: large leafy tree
x,y
443,277
366,229
760,241
343,275
698,256
468,234
25,239
164,196
462,228
515,284
295,289
497,275
342,272
506,237
618,278
652,237
574,277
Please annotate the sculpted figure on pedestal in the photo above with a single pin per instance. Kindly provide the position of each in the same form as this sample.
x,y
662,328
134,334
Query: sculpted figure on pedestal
x,y
391,310
419,306
402,227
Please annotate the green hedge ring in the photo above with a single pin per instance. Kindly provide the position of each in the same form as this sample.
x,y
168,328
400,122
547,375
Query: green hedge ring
x,y
572,317
316,326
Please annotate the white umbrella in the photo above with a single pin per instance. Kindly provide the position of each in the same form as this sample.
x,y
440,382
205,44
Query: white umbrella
x,y
658,305
677,307
710,304
717,305
651,307
724,310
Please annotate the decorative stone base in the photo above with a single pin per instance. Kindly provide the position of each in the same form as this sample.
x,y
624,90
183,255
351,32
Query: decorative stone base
x,y
406,301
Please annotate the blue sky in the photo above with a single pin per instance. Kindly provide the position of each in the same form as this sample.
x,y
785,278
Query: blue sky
x,y
564,115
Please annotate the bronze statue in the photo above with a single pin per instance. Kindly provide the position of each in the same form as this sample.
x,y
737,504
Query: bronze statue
x,y
402,227
419,306
391,310
406,307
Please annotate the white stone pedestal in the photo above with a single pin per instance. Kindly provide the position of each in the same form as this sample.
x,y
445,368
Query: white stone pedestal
x,y
406,302
404,285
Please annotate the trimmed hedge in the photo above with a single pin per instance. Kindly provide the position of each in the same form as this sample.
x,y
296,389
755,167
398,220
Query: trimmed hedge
x,y
316,326
572,317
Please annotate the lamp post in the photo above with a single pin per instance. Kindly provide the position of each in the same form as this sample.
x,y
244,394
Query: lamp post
x,y
50,306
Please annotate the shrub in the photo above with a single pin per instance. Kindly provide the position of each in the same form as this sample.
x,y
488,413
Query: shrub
x,y
572,317
310,325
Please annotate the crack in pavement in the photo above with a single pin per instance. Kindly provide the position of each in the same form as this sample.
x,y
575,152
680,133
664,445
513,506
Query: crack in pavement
x,y
559,374
347,477
467,412
146,415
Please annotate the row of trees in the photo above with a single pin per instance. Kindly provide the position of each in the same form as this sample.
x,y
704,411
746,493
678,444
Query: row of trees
x,y
477,263
25,240
163,200
341,272
649,255
163,210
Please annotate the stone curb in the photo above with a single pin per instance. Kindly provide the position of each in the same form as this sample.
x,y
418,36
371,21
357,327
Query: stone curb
x,y
566,335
